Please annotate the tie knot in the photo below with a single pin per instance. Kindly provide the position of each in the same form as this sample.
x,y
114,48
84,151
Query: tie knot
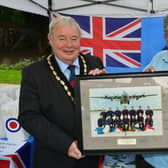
x,y
71,68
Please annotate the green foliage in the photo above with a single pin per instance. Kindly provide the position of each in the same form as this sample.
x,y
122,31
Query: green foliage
x,y
10,76
18,66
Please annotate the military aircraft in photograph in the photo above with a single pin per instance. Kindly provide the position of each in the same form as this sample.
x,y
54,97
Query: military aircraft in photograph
x,y
124,98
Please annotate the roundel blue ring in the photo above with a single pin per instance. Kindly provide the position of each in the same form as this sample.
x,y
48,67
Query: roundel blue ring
x,y
10,130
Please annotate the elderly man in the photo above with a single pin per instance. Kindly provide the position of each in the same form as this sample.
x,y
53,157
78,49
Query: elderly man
x,y
47,102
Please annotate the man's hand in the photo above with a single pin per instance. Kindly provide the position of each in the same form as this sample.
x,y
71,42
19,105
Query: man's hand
x,y
97,71
74,152
149,69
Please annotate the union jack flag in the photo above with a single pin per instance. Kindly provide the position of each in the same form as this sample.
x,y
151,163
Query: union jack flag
x,y
117,41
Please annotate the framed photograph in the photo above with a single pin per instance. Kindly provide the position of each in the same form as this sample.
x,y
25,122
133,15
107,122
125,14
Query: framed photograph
x,y
122,113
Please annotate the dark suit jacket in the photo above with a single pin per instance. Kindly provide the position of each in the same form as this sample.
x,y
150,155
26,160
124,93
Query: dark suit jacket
x,y
46,111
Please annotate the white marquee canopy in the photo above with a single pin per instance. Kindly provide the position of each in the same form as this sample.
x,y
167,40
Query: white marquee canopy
x,y
90,7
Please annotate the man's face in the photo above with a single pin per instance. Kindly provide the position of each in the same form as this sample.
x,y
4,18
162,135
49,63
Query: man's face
x,y
65,42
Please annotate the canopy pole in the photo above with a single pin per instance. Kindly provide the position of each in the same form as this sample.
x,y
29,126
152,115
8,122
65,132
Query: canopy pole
x,y
49,9
38,5
152,11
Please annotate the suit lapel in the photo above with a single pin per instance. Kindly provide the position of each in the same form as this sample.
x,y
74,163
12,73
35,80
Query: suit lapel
x,y
59,76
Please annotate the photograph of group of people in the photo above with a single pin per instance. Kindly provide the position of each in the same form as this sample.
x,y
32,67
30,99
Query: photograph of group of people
x,y
139,116
126,119
130,120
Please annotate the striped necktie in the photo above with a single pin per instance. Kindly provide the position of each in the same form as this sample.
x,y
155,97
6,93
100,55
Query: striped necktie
x,y
72,74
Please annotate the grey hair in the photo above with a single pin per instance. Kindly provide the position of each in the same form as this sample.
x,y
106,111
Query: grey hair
x,y
65,20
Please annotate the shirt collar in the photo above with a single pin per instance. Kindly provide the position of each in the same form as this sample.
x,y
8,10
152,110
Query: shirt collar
x,y
165,59
63,66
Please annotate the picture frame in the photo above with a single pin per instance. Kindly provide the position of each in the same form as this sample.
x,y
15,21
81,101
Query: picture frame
x,y
98,98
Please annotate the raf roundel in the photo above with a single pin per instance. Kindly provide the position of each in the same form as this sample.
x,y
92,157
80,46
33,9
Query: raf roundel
x,y
12,125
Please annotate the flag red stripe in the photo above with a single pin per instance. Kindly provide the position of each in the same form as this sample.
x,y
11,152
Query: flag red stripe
x,y
125,28
16,159
83,51
127,59
112,44
4,163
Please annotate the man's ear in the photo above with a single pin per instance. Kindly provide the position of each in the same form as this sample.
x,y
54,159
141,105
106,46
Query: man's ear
x,y
49,39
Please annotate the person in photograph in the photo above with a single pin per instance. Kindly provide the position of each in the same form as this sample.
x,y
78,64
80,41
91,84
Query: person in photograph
x,y
133,122
118,123
126,122
149,111
140,120
110,112
140,112
132,112
101,121
148,122
47,102
103,113
125,111
110,123
117,112
100,125
149,119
